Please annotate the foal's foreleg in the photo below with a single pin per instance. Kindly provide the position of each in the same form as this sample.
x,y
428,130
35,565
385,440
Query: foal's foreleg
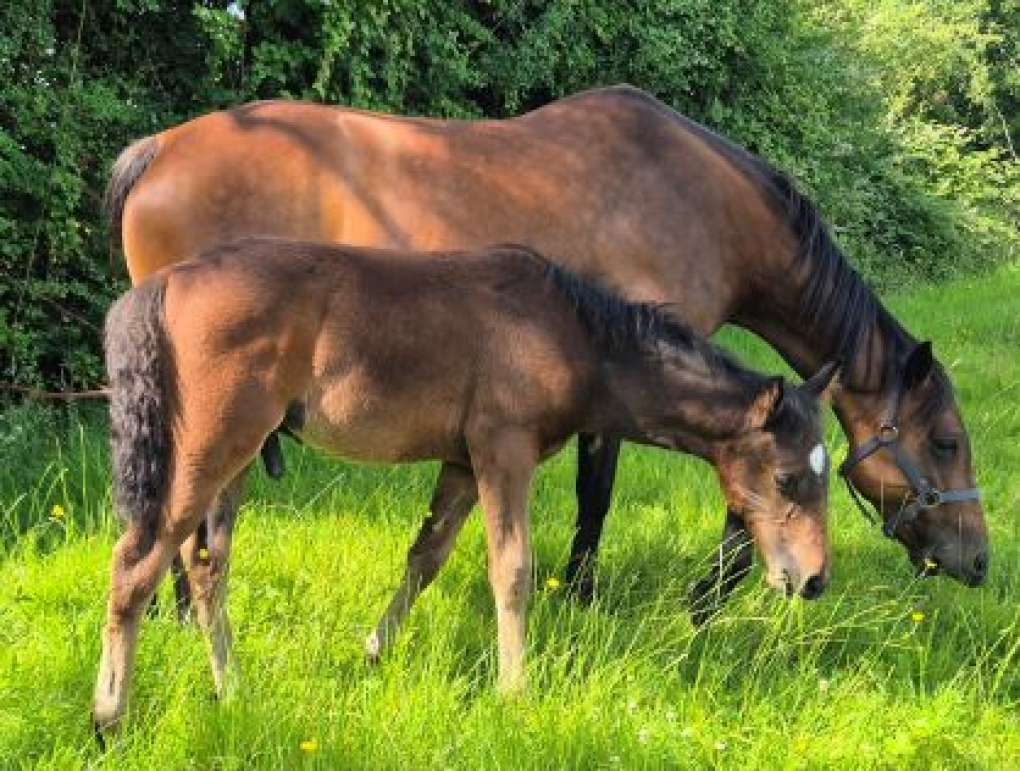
x,y
596,469
503,470
734,556
452,500
207,556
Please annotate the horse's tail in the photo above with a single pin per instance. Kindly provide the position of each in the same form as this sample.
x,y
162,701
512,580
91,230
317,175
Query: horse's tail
x,y
129,166
139,366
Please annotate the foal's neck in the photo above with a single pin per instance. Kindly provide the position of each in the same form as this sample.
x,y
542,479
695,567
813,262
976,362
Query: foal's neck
x,y
691,401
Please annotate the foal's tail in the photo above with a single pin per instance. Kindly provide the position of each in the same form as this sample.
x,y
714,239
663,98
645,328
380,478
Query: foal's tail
x,y
129,166
139,367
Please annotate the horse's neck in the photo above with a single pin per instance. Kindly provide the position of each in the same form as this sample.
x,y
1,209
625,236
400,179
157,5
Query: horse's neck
x,y
778,321
677,402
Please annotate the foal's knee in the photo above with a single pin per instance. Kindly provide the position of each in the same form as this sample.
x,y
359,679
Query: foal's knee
x,y
512,584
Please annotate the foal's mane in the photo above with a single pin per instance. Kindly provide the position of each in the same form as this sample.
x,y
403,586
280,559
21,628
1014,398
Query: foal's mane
x,y
623,326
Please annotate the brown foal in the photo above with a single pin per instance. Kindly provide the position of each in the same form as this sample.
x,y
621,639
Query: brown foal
x,y
486,361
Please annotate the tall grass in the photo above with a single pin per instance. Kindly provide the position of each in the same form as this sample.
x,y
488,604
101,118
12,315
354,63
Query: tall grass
x,y
885,671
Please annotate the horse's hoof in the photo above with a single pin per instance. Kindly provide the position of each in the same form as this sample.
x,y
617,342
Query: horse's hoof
x,y
705,602
582,589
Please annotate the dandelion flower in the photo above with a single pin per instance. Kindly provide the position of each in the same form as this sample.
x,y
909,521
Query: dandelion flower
x,y
309,745
203,553
917,617
552,583
57,512
930,564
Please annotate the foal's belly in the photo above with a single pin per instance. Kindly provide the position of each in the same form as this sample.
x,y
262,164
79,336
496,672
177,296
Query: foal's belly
x,y
383,428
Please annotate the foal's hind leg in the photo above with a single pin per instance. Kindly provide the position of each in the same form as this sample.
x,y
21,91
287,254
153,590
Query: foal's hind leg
x,y
452,500
735,554
207,556
140,559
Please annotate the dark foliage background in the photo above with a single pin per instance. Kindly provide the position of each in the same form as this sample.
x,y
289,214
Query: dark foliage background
x,y
898,116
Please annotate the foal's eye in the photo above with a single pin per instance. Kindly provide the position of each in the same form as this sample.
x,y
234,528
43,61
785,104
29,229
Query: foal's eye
x,y
787,484
944,446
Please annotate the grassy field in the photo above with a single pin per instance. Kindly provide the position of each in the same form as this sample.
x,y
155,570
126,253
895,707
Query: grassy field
x,y
885,671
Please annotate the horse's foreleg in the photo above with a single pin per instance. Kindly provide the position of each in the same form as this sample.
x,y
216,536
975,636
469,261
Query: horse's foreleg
x,y
596,470
503,470
207,555
452,500
733,562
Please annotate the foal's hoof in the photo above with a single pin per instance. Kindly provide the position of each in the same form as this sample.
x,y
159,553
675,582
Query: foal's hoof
x,y
103,732
373,649
98,733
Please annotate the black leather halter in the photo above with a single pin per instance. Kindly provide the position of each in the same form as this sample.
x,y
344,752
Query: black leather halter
x,y
925,495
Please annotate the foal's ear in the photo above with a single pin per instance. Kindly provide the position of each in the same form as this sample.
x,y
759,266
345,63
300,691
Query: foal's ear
x,y
918,366
765,403
823,384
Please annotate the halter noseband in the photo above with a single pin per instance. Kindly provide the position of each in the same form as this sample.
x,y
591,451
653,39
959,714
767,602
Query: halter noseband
x,y
926,495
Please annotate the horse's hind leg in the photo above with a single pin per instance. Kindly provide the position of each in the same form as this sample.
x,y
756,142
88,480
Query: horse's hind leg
x,y
455,494
207,556
596,470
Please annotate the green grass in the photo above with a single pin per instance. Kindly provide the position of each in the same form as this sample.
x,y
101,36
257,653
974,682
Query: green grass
x,y
849,681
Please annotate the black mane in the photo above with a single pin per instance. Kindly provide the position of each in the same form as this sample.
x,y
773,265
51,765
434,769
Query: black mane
x,y
622,326
838,305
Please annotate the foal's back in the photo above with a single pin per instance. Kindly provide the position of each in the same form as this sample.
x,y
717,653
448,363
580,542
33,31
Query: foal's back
x,y
392,356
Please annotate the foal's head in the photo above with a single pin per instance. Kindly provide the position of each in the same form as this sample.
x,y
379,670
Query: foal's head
x,y
774,475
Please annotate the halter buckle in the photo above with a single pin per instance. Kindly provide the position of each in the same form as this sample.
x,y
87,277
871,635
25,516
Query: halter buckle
x,y
930,498
888,433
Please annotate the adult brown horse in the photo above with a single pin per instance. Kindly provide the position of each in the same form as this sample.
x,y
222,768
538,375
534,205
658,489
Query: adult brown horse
x,y
615,185
485,361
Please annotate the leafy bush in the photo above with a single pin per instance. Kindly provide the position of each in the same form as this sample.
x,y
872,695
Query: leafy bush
x,y
897,116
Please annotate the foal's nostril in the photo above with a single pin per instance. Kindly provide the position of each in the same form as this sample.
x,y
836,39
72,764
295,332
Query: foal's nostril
x,y
812,588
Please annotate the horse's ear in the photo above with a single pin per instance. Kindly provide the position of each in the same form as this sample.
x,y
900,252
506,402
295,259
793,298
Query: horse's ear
x,y
919,365
765,403
823,384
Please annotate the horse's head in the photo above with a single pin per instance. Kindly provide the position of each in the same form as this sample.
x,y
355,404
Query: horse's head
x,y
775,478
910,456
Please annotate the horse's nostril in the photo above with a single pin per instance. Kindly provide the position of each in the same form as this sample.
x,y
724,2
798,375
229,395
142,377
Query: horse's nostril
x,y
812,588
981,564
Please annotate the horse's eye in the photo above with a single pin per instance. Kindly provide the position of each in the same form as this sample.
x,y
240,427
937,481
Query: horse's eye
x,y
944,446
787,484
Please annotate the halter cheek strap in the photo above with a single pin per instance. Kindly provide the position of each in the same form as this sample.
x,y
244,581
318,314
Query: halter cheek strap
x,y
925,495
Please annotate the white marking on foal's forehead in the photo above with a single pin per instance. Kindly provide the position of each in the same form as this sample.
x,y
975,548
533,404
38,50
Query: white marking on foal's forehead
x,y
817,459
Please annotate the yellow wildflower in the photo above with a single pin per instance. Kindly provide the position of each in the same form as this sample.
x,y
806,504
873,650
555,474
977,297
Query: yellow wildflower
x,y
203,553
930,564
309,745
552,583
57,512
917,617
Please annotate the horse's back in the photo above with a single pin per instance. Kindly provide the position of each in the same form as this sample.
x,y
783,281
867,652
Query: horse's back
x,y
607,182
